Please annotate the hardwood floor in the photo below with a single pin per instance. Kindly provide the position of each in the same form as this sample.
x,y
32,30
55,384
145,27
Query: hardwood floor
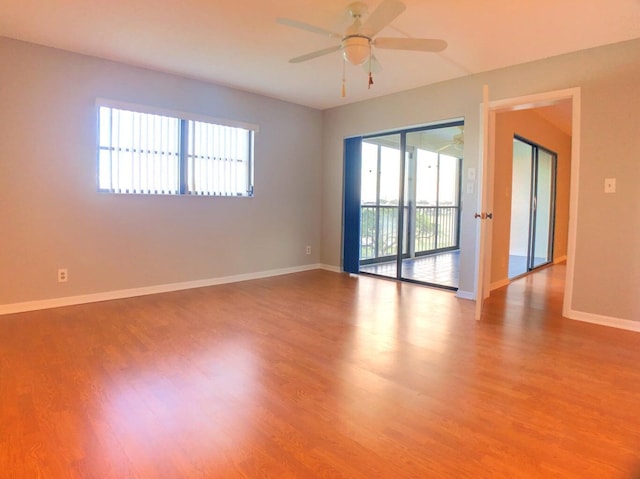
x,y
319,375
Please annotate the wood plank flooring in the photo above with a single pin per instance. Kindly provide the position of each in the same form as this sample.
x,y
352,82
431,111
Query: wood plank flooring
x,y
319,375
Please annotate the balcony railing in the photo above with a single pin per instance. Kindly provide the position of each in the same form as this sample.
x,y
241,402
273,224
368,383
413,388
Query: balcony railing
x,y
432,228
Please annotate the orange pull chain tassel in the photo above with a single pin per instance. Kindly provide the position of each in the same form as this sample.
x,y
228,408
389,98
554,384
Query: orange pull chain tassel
x,y
344,79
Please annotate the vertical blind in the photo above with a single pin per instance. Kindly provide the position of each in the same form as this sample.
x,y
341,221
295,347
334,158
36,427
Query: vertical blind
x,y
139,152
218,159
147,153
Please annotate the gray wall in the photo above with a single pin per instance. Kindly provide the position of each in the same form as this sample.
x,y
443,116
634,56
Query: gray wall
x,y
415,107
607,262
51,215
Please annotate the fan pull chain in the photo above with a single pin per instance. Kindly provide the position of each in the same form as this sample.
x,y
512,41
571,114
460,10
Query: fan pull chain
x,y
344,79
370,76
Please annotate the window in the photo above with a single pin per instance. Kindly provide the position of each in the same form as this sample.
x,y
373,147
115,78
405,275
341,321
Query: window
x,y
141,151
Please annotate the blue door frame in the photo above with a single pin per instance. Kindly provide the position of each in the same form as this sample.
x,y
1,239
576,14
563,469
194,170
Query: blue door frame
x,y
351,212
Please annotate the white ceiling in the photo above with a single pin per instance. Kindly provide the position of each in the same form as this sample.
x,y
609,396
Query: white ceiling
x,y
239,43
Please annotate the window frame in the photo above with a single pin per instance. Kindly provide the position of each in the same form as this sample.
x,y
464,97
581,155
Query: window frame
x,y
184,153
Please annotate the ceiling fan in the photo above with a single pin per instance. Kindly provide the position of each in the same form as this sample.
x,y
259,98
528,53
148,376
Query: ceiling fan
x,y
358,39
456,143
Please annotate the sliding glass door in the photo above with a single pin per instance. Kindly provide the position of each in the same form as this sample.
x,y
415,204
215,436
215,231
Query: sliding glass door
x,y
380,204
532,207
543,209
433,193
410,205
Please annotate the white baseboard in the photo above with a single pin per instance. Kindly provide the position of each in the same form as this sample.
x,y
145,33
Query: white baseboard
x,y
466,295
328,267
604,320
145,290
165,288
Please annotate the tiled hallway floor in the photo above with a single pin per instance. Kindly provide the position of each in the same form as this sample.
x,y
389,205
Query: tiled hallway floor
x,y
440,269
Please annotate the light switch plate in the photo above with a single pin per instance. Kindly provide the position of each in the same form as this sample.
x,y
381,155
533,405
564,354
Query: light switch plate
x,y
470,187
471,173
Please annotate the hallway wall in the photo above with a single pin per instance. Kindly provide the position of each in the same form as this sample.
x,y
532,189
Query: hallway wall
x,y
527,124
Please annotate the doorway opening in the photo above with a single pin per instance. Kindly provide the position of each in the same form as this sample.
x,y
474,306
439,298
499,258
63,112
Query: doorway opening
x,y
551,119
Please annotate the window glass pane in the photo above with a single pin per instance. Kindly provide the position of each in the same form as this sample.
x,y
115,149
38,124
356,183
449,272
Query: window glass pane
x,y
447,227
219,160
138,152
520,207
543,208
389,176
146,153
427,178
369,175
448,186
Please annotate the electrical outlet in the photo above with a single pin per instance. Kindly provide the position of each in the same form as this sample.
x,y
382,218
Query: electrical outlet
x,y
63,275
308,249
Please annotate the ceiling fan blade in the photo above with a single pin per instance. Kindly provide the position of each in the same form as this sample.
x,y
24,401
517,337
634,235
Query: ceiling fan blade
x,y
382,16
415,44
317,53
309,28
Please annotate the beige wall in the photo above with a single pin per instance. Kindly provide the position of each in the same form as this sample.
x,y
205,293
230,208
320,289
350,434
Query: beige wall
x,y
527,124
51,215
607,261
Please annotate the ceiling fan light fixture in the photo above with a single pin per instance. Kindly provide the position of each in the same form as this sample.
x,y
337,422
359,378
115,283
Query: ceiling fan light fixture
x,y
356,49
